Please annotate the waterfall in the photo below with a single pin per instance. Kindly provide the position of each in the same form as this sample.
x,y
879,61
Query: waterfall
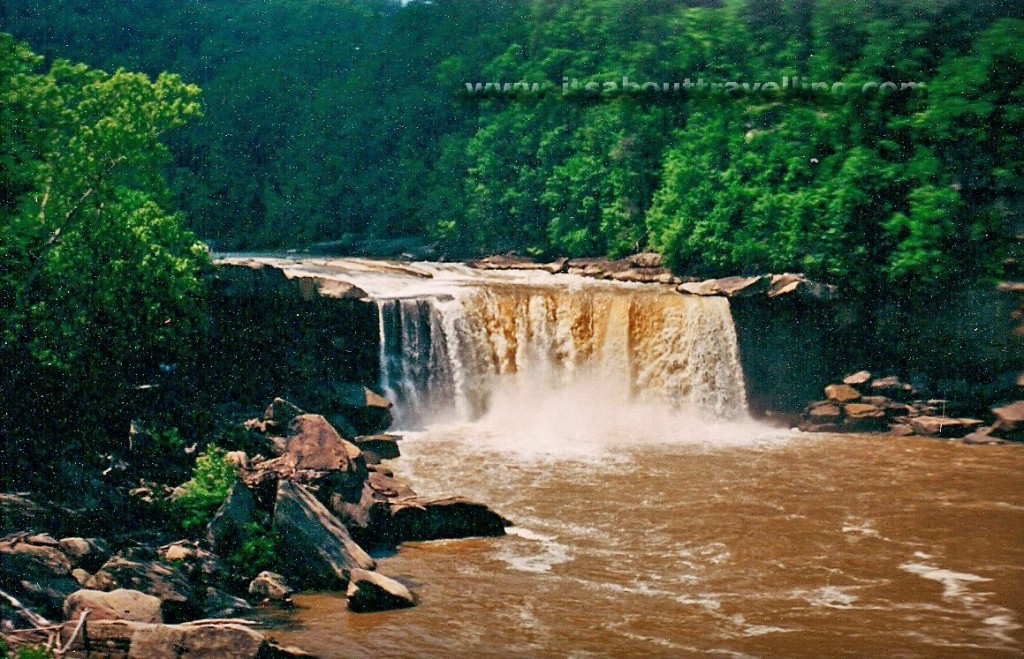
x,y
510,351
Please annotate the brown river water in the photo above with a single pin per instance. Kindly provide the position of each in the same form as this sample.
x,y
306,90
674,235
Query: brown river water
x,y
800,546
652,517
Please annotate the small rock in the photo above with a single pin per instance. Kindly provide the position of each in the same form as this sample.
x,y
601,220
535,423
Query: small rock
x,y
857,379
88,553
841,393
370,591
120,604
378,447
219,604
270,586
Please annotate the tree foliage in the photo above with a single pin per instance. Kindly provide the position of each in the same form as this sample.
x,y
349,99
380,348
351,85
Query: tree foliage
x,y
99,283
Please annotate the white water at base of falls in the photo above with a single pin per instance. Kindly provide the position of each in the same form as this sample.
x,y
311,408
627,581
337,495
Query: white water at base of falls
x,y
563,364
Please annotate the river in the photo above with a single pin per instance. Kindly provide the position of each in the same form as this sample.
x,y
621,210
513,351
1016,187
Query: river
x,y
652,517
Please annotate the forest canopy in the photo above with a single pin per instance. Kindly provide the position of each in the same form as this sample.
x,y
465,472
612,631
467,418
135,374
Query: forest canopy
x,y
343,120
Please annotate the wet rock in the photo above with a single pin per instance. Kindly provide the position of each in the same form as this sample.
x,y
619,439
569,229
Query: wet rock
x,y
123,639
369,592
270,586
934,426
378,447
119,604
900,430
227,529
38,575
841,393
858,379
168,583
317,549
416,520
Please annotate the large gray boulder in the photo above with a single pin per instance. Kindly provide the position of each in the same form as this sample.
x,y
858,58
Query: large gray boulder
x,y
316,548
455,517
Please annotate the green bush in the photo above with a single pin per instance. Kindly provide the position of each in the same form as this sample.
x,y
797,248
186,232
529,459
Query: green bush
x,y
258,551
212,478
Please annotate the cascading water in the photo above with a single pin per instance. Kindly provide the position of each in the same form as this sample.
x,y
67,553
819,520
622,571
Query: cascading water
x,y
517,349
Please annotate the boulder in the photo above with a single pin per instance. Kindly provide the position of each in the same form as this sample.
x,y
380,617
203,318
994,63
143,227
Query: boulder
x,y
983,437
119,604
863,411
1010,418
369,592
316,547
280,413
86,553
123,639
378,447
728,286
368,413
823,410
38,575
414,519
857,379
841,393
367,517
270,586
227,529
892,386
318,446
169,583
936,426
220,604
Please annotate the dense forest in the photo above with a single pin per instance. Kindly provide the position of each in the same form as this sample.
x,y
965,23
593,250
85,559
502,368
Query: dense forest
x,y
458,127
329,120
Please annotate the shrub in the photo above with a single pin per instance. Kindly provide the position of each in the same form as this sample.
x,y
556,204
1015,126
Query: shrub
x,y
212,478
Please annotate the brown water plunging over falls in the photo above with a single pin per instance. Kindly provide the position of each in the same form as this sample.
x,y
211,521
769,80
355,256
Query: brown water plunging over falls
x,y
653,517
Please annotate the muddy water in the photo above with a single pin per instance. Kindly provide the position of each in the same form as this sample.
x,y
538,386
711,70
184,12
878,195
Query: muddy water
x,y
767,545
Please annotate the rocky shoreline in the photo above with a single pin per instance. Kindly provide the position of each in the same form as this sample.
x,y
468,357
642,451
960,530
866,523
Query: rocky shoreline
x,y
862,403
323,497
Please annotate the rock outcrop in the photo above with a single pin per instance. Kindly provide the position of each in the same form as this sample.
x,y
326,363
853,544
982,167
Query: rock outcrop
x,y
862,403
317,548
270,586
371,591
